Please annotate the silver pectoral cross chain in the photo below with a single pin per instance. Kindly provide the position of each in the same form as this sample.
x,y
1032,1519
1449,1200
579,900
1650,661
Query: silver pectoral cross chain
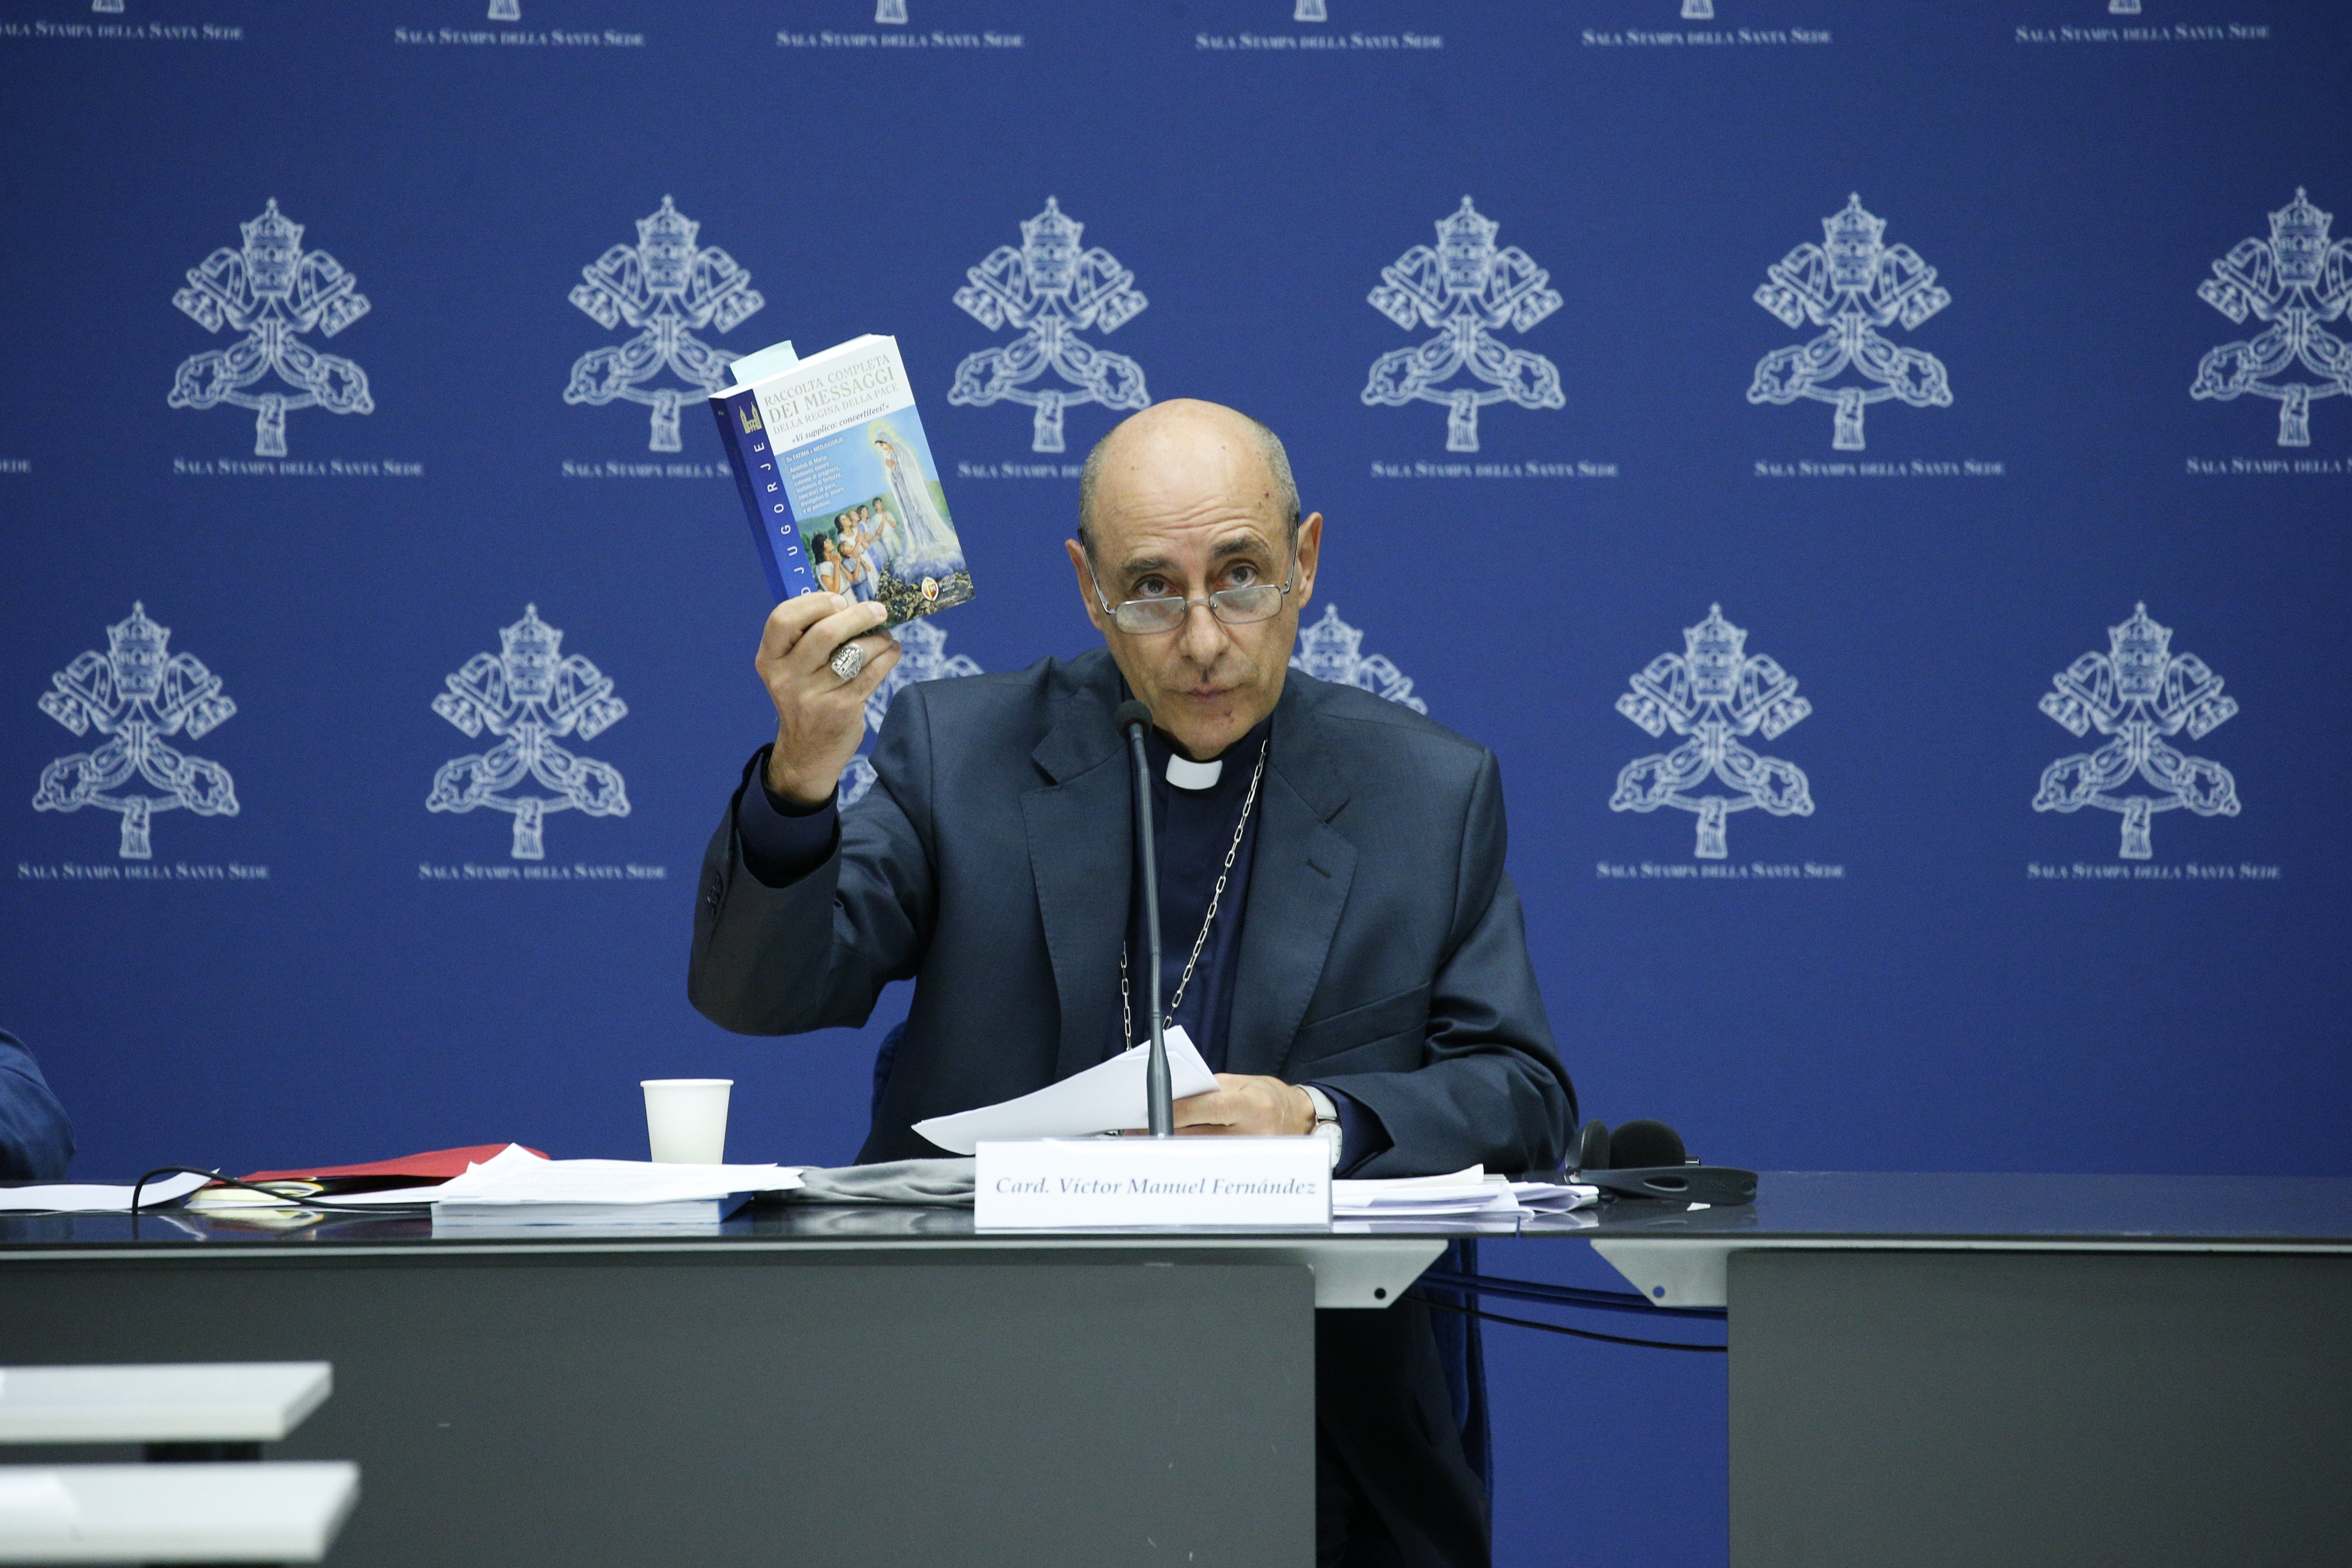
x,y
1126,1008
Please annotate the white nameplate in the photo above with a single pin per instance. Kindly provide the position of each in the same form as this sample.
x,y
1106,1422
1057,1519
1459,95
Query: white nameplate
x,y
1048,1183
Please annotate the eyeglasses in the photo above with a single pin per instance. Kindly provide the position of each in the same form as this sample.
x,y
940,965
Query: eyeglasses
x,y
1233,606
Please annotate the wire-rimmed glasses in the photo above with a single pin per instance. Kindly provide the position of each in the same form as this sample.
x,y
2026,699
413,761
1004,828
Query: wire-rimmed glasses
x,y
1233,606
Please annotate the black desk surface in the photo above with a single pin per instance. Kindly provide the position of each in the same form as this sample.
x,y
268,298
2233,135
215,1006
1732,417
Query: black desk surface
x,y
1792,1207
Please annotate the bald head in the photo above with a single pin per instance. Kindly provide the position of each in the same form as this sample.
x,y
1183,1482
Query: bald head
x,y
1192,506
1186,441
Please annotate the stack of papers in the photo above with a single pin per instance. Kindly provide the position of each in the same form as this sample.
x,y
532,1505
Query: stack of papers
x,y
1468,1194
82,1197
517,1187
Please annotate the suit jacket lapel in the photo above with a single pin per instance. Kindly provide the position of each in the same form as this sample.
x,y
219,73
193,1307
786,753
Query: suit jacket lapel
x,y
1081,847
1300,871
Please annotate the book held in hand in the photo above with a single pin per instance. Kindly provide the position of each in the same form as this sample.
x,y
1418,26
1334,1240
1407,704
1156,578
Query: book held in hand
x,y
837,475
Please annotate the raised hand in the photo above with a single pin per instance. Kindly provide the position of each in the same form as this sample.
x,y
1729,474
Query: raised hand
x,y
820,718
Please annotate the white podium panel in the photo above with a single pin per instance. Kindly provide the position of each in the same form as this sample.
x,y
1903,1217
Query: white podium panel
x,y
175,1513
229,1402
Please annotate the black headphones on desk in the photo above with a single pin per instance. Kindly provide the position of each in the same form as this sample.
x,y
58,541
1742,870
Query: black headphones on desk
x,y
1646,1160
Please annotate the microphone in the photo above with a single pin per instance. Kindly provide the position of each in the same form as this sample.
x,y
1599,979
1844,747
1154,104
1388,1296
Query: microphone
x,y
1134,718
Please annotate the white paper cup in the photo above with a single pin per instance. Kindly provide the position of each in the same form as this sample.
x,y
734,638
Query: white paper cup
x,y
685,1120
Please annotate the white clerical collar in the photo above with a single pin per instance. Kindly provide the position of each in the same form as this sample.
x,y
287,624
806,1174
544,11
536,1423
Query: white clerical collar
x,y
1185,774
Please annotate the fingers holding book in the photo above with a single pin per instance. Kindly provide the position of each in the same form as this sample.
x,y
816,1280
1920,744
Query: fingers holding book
x,y
803,632
819,716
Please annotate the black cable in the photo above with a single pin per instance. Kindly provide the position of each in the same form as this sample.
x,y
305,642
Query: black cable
x,y
1557,1295
1563,1329
323,1205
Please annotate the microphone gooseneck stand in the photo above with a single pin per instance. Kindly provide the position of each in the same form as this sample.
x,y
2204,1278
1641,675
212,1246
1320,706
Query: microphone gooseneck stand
x,y
1133,719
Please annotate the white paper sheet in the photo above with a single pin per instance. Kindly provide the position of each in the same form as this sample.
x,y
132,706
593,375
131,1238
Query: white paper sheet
x,y
1109,1097
35,1504
1404,1186
1556,1197
1466,1192
515,1175
67,1197
1462,1192
1481,1199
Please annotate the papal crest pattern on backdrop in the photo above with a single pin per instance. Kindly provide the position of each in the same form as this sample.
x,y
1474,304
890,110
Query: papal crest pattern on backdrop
x,y
2294,282
1854,286
1469,290
1717,694
2140,694
1051,289
669,288
138,694
530,695
273,291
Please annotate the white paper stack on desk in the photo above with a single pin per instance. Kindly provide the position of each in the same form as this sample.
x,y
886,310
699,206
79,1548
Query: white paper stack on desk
x,y
516,1187
1469,1194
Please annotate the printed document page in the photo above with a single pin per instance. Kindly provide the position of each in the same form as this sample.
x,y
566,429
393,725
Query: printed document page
x,y
1109,1097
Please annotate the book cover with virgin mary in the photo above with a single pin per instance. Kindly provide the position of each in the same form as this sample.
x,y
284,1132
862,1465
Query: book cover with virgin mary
x,y
918,562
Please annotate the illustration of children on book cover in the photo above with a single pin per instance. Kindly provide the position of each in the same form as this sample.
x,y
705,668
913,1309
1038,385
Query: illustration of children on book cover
x,y
893,540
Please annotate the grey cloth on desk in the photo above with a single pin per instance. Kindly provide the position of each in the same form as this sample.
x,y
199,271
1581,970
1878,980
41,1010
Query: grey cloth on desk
x,y
893,1181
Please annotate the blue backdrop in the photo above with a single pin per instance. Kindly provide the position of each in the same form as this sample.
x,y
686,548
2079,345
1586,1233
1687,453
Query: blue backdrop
x,y
344,345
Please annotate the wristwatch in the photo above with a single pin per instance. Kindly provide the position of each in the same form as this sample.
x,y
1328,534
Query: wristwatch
x,y
1327,1121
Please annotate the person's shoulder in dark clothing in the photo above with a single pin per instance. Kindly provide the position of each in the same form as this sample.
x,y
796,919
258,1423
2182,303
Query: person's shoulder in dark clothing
x,y
1026,700
1332,699
1370,730
37,1140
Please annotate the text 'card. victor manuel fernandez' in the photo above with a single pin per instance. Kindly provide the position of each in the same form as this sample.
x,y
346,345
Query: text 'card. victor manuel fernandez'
x,y
1048,1183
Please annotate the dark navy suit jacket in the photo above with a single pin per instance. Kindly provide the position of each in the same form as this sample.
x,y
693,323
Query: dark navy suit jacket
x,y
36,1142
1383,953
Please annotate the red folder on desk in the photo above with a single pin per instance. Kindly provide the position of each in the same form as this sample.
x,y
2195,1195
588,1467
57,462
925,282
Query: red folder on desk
x,y
433,1165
